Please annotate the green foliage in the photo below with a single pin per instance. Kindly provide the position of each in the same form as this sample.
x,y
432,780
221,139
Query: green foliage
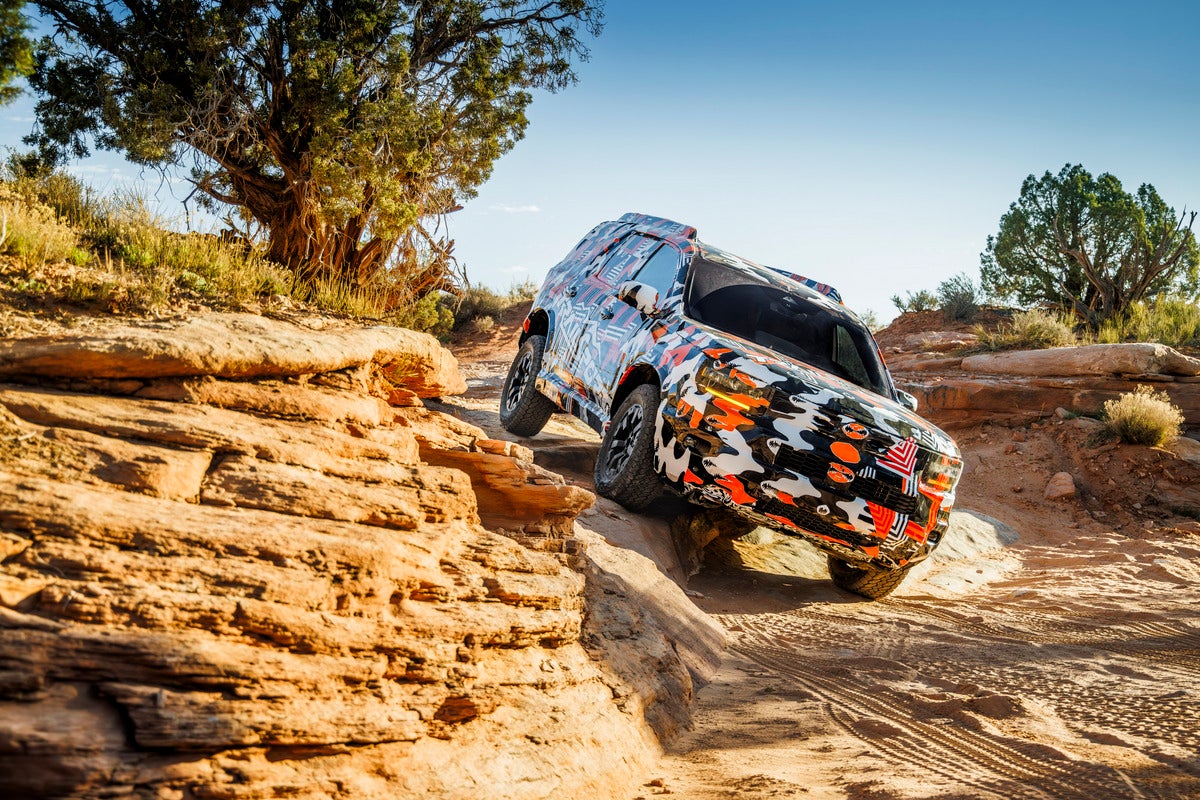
x,y
1035,329
16,52
923,300
1143,416
347,130
1084,243
958,298
430,314
1172,321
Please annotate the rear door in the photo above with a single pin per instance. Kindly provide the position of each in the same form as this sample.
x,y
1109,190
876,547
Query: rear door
x,y
605,322
619,330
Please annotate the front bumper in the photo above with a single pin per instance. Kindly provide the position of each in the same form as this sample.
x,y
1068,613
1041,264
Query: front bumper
x,y
855,493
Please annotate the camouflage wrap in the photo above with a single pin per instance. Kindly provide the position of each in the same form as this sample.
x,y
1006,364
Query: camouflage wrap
x,y
777,440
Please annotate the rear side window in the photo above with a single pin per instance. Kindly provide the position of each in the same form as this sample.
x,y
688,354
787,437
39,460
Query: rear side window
x,y
624,259
661,270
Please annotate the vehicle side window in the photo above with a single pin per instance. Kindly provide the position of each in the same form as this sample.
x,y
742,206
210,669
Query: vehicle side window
x,y
848,359
624,258
660,270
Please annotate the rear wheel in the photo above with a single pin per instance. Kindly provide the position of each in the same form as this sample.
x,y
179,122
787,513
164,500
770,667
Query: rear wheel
x,y
625,463
523,409
865,579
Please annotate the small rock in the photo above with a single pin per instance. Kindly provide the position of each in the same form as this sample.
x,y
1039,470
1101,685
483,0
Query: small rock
x,y
1010,449
1062,413
1018,435
1060,487
1018,489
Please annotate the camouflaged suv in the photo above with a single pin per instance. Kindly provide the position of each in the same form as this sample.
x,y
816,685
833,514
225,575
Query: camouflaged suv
x,y
737,385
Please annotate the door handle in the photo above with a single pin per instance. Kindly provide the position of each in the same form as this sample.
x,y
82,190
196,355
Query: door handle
x,y
607,313
572,291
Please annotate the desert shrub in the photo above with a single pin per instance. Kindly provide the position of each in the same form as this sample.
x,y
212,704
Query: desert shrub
x,y
958,298
1034,329
871,320
479,301
520,292
1171,321
430,314
923,300
483,324
1143,416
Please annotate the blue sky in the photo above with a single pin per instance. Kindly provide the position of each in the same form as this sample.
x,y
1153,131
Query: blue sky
x,y
870,145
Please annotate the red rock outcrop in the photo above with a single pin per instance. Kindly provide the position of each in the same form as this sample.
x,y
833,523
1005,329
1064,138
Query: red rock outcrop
x,y
232,589
1024,385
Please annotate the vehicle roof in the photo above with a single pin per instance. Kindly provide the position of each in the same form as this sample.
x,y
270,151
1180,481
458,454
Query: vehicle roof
x,y
661,227
684,236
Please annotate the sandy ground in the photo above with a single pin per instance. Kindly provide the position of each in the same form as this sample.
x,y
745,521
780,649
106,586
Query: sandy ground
x,y
1063,666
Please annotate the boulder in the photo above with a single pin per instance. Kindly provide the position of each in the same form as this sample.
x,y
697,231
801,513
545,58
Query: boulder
x,y
1060,487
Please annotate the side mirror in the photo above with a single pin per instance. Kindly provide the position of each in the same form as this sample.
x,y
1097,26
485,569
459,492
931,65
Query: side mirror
x,y
641,296
906,400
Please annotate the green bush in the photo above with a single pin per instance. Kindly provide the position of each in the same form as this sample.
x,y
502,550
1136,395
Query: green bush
x,y
430,314
1172,321
1035,329
923,300
1143,416
958,298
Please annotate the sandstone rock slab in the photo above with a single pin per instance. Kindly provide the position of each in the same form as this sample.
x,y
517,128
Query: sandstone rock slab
x,y
234,346
402,497
1093,359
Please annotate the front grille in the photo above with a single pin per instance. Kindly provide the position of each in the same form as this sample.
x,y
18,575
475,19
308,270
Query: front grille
x,y
811,464
812,522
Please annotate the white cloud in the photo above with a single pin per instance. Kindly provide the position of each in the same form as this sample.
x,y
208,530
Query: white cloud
x,y
515,268
530,209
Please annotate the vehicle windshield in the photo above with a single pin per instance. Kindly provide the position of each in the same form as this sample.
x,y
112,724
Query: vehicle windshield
x,y
732,296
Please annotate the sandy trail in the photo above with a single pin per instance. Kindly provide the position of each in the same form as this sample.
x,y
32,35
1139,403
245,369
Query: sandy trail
x,y
1066,666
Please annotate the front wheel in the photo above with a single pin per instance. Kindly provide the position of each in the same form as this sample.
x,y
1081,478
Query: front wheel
x,y
865,579
625,463
523,409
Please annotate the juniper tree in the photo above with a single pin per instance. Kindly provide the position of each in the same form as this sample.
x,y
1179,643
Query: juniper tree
x,y
1086,244
346,128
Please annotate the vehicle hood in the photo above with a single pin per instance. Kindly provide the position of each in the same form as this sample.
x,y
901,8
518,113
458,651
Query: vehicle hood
x,y
796,385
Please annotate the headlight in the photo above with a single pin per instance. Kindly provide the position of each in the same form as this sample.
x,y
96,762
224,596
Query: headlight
x,y
735,389
942,473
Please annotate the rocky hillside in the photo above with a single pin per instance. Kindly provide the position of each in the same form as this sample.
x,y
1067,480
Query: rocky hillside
x,y
239,557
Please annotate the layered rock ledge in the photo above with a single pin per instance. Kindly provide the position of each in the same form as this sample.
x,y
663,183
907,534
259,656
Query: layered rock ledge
x,y
1024,385
240,559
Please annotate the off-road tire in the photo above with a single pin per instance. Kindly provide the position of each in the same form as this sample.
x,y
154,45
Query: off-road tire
x,y
625,463
523,409
865,579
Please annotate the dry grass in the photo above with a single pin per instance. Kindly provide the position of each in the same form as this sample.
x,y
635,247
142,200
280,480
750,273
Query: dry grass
x,y
116,254
1170,321
33,233
1035,329
1143,416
